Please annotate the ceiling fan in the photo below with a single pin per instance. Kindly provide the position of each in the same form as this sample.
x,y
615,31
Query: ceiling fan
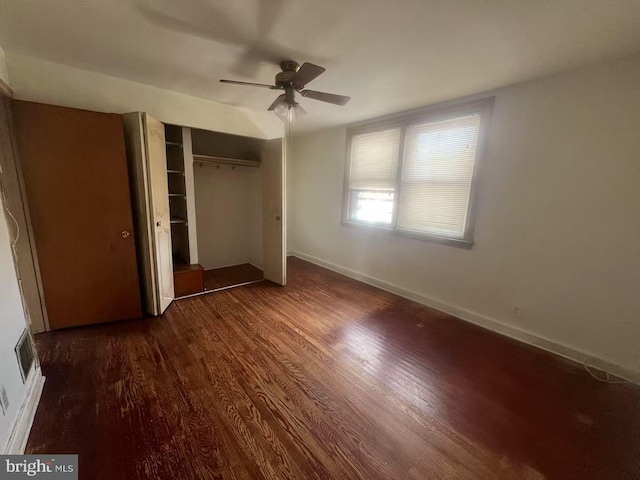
x,y
292,79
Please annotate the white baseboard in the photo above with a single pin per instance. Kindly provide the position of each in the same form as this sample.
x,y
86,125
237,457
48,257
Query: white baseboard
x,y
22,427
482,321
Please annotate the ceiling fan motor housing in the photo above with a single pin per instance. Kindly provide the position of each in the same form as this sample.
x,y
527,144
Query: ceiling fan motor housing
x,y
284,80
289,66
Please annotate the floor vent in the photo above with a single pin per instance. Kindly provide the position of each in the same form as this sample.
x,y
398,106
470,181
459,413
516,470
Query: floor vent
x,y
25,354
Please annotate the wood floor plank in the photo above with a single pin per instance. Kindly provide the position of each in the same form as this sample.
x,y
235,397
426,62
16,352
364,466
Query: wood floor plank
x,y
326,378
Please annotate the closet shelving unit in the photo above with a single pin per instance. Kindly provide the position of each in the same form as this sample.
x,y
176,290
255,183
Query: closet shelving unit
x,y
177,194
217,148
210,159
187,273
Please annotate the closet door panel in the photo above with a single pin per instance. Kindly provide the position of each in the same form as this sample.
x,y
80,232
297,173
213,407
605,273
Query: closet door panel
x,y
77,185
159,189
143,220
273,217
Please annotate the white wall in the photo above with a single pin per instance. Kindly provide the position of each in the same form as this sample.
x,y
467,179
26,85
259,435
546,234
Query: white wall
x,y
13,321
557,229
229,215
12,324
47,82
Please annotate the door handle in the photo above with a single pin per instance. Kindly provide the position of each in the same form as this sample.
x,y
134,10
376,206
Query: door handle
x,y
125,234
278,217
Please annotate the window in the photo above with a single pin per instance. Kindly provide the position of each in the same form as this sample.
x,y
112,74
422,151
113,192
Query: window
x,y
415,174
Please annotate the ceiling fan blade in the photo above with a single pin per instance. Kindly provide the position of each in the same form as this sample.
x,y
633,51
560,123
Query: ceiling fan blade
x,y
326,97
249,84
277,101
306,73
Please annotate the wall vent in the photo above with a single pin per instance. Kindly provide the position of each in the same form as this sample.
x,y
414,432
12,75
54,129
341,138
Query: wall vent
x,y
25,354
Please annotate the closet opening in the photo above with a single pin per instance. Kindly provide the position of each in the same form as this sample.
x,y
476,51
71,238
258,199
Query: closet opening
x,y
216,206
209,209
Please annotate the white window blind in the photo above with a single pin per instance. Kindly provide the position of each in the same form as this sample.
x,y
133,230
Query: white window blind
x,y
414,174
436,176
374,160
373,176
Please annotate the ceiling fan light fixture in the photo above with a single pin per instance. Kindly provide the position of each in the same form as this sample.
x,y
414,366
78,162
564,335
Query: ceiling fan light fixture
x,y
282,111
289,113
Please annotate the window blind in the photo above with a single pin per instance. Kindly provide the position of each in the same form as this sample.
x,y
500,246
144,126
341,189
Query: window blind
x,y
374,160
415,174
436,177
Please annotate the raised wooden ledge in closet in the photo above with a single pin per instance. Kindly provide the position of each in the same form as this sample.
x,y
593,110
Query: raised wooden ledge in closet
x,y
187,279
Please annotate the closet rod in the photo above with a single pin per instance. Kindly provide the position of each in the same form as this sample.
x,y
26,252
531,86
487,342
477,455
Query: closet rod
x,y
208,159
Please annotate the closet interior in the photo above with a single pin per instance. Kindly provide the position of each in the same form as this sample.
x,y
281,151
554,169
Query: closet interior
x,y
228,204
215,199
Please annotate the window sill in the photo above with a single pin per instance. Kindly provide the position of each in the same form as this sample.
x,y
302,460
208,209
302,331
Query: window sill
x,y
453,242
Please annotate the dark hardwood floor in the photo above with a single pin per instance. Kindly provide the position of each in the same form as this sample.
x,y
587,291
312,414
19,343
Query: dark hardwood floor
x,y
227,276
326,378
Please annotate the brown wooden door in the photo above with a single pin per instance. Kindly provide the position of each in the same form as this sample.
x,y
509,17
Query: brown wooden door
x,y
77,184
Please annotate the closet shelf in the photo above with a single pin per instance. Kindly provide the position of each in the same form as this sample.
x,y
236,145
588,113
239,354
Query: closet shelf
x,y
177,195
178,172
222,160
174,144
175,220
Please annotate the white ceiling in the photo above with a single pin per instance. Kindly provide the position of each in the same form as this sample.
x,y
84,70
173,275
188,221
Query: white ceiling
x,y
387,55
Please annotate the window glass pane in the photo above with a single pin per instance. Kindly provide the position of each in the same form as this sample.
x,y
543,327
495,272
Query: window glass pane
x,y
372,207
436,176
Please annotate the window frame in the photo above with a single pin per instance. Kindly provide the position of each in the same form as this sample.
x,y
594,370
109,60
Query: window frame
x,y
403,120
